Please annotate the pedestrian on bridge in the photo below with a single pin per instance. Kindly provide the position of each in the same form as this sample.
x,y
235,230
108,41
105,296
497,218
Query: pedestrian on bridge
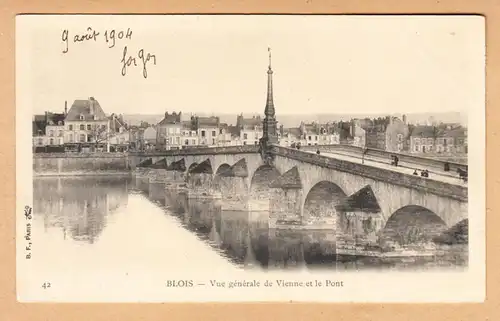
x,y
317,152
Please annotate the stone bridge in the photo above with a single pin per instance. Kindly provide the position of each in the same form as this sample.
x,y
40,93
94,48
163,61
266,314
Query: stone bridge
x,y
306,187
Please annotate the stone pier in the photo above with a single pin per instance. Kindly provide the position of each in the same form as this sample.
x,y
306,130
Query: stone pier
x,y
359,222
285,203
232,184
200,182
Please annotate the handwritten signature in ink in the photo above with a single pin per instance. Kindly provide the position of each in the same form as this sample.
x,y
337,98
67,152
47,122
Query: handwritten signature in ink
x,y
128,60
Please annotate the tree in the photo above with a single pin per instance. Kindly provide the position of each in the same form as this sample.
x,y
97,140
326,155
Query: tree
x,y
99,134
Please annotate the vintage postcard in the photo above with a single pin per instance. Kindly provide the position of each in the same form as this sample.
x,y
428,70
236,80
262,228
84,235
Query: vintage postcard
x,y
225,158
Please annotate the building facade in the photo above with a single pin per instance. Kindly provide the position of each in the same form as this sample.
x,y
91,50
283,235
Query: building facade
x,y
389,133
169,132
250,129
207,128
87,126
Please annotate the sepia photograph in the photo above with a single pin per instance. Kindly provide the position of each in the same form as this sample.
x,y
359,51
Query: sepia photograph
x,y
223,158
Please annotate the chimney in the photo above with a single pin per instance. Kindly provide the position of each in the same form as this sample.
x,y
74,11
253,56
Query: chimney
x,y
91,105
65,107
166,114
404,120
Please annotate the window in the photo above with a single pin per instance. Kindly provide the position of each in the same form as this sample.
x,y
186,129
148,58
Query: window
x,y
82,127
316,138
40,141
309,138
81,117
400,138
60,133
193,142
245,136
70,138
89,138
59,123
89,127
244,143
220,131
202,133
256,142
51,133
70,127
213,133
52,141
82,138
186,142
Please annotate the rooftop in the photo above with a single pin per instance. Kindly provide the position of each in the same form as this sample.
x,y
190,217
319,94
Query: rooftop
x,y
87,110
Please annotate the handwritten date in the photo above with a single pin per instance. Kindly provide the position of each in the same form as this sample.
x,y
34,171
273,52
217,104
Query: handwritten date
x,y
110,36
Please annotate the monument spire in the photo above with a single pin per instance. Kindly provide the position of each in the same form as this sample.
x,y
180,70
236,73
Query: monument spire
x,y
269,123
269,111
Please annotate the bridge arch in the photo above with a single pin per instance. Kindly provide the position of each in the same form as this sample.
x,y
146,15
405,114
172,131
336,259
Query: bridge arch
x,y
321,199
413,224
192,166
222,168
261,179
218,181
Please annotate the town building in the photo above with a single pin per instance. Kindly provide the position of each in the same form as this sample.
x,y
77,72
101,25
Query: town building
x,y
189,134
289,136
207,128
451,139
250,129
87,126
351,133
119,136
169,132
54,128
233,133
318,134
422,139
48,130
225,137
389,134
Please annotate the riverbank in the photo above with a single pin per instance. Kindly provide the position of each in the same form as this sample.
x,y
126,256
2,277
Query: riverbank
x,y
80,164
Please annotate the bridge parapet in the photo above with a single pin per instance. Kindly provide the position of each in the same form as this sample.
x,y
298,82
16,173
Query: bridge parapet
x,y
244,149
417,161
458,192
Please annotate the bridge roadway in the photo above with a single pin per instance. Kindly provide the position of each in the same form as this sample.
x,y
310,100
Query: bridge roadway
x,y
441,176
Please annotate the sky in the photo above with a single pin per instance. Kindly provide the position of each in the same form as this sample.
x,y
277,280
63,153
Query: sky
x,y
218,64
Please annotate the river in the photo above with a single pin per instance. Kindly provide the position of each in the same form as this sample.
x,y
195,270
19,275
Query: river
x,y
101,223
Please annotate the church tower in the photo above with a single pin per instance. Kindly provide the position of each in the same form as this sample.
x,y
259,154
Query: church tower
x,y
270,135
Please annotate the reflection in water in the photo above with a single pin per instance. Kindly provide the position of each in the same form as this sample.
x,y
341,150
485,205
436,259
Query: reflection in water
x,y
78,206
82,208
